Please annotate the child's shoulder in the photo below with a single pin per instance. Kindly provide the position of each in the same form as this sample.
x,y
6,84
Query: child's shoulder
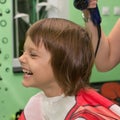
x,y
92,97
35,99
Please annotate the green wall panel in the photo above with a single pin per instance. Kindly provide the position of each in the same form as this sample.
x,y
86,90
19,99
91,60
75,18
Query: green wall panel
x,y
13,96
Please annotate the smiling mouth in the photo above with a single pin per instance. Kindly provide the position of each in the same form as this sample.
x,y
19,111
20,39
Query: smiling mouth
x,y
27,72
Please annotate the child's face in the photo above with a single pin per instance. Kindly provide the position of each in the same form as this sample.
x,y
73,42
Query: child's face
x,y
36,66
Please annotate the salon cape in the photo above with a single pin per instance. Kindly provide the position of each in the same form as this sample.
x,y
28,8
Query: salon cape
x,y
87,105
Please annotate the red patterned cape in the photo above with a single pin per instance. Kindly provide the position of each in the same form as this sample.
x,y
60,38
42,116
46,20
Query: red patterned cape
x,y
91,106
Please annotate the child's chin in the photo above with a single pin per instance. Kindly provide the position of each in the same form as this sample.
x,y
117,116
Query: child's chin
x,y
25,84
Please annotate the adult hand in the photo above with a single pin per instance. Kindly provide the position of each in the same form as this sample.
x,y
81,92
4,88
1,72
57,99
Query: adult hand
x,y
92,3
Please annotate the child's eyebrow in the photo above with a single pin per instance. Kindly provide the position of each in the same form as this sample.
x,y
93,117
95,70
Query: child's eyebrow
x,y
28,47
31,49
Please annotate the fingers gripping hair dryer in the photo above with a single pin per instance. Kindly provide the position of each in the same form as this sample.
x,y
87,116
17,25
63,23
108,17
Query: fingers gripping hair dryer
x,y
94,12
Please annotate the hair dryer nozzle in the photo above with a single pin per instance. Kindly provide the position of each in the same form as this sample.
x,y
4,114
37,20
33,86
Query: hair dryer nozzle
x,y
81,4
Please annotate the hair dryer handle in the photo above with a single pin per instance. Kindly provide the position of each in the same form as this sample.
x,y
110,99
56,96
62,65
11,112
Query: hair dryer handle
x,y
95,15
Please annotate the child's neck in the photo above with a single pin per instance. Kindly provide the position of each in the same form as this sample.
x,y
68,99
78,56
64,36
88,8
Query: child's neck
x,y
53,92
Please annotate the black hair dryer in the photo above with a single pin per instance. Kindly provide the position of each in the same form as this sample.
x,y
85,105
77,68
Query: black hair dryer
x,y
94,12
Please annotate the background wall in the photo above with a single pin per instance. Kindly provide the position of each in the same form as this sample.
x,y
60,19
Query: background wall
x,y
13,96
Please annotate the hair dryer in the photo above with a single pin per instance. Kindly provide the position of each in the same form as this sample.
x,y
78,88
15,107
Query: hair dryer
x,y
94,12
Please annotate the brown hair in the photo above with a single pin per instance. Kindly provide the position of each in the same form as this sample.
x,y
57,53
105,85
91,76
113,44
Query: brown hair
x,y
71,51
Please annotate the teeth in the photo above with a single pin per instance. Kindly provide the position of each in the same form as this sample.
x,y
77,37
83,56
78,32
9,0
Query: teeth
x,y
27,72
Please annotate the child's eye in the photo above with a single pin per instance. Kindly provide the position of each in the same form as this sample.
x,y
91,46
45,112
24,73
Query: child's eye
x,y
33,55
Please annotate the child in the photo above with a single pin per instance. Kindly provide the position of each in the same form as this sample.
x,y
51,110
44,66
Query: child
x,y
58,59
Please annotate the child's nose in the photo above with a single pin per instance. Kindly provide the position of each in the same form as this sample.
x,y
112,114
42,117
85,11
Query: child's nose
x,y
22,58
